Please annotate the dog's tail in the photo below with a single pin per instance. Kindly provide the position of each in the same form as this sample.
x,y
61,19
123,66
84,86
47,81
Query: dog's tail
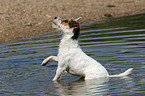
x,y
127,72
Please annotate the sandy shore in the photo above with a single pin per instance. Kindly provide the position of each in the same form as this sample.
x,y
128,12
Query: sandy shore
x,y
22,18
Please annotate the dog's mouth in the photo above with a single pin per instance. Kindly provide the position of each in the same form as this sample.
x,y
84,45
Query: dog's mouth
x,y
55,25
56,22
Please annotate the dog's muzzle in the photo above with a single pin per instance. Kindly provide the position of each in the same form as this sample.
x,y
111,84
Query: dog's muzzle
x,y
56,22
57,18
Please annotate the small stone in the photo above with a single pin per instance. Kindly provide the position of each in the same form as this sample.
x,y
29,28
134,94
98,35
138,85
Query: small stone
x,y
110,6
107,15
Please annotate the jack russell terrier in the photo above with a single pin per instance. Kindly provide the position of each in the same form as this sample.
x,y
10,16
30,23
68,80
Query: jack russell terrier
x,y
70,56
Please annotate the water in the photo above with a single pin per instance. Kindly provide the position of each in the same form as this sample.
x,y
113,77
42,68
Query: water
x,y
117,44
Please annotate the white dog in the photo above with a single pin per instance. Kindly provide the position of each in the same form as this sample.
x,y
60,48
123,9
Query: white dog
x,y
70,56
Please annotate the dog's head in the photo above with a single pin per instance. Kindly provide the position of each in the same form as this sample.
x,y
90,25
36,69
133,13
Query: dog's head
x,y
67,26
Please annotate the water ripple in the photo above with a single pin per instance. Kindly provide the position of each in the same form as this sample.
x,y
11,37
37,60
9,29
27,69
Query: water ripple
x,y
118,47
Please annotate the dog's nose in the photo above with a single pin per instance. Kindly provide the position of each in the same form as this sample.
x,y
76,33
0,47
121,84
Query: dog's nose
x,y
55,17
58,18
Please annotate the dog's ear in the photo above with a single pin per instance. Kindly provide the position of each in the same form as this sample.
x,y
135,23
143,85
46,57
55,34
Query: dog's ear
x,y
76,32
73,24
76,28
77,20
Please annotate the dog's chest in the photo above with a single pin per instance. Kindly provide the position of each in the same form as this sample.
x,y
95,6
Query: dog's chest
x,y
67,48
65,54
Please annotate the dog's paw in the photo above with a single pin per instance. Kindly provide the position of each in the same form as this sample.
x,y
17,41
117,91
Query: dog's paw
x,y
54,79
48,59
45,62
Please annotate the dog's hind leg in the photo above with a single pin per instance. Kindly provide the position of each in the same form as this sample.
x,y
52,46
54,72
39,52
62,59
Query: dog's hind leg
x,y
45,61
89,76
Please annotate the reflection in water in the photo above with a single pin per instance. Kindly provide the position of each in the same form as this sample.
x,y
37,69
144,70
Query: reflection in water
x,y
82,88
95,87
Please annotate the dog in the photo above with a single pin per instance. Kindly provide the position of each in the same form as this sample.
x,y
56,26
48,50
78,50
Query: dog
x,y
70,56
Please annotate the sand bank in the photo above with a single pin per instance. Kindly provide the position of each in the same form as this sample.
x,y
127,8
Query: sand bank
x,y
22,18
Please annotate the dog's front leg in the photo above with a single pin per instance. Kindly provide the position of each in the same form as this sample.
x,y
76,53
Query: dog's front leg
x,y
58,74
45,61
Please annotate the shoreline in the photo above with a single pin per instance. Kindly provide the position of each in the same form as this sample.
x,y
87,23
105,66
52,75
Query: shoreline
x,y
23,18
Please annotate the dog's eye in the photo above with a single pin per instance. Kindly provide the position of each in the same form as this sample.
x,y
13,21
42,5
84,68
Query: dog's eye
x,y
66,21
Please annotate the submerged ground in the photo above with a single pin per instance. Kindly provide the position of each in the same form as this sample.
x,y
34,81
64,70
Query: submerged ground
x,y
22,18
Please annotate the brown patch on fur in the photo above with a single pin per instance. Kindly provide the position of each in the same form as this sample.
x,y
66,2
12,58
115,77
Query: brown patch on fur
x,y
69,23
74,24
76,30
66,23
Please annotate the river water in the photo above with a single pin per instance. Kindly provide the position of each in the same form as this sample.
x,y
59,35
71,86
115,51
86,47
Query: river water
x,y
118,44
